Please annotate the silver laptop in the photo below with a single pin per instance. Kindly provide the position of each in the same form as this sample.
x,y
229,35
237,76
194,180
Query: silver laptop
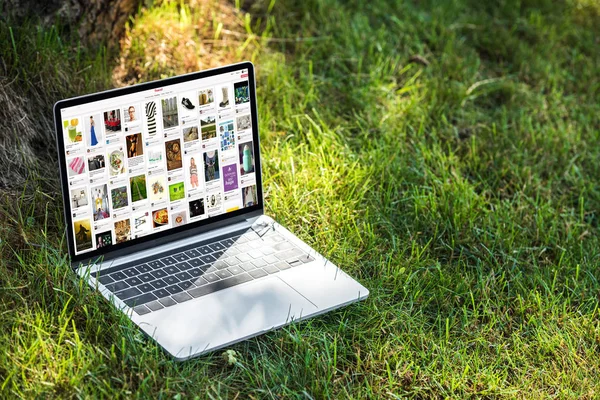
x,y
164,213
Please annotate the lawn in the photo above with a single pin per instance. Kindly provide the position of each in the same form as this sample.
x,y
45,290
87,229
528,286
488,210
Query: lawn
x,y
443,153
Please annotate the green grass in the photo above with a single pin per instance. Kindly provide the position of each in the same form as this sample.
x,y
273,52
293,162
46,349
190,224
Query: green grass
x,y
460,186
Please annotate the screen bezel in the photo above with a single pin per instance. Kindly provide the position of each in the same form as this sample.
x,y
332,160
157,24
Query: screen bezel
x,y
178,232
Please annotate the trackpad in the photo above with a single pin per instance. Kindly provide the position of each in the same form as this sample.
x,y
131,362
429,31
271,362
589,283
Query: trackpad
x,y
223,317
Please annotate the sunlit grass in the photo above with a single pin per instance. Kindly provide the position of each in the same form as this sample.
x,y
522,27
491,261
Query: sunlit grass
x,y
445,154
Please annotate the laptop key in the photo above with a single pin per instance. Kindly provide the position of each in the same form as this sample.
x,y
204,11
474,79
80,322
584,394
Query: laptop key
x,y
259,262
161,293
127,293
271,259
155,305
293,263
211,277
183,266
255,254
131,272
182,276
181,297
174,289
141,310
133,281
223,273
159,273
136,301
193,253
258,273
208,259
199,281
185,285
218,254
146,277
204,250
117,286
167,302
171,280
247,266
244,257
143,268
235,270
220,285
195,272
146,287
306,259
227,242
220,264
159,283
282,265
196,262
216,246
232,251
105,280
181,257
171,270
168,260
155,264
231,261
271,269
118,276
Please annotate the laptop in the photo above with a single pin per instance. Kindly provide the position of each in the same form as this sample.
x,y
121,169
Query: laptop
x,y
164,212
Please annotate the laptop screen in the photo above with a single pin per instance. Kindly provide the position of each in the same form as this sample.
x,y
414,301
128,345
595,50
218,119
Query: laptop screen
x,y
163,157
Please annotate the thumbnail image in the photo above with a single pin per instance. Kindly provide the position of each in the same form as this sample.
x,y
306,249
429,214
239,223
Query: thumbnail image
x,y
157,185
130,114
137,185
141,221
96,162
193,169
78,198
179,218
123,230
150,111
190,133
213,201
83,234
205,97
246,151
112,121
208,120
119,197
244,122
176,191
227,135
154,157
230,178
100,202
160,218
72,129
103,239
76,166
93,132
209,132
169,112
196,208
249,196
134,145
223,99
211,165
242,92
173,149
116,161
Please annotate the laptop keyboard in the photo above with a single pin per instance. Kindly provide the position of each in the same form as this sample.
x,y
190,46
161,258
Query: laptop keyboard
x,y
179,276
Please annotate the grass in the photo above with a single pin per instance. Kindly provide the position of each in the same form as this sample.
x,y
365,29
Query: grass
x,y
444,154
